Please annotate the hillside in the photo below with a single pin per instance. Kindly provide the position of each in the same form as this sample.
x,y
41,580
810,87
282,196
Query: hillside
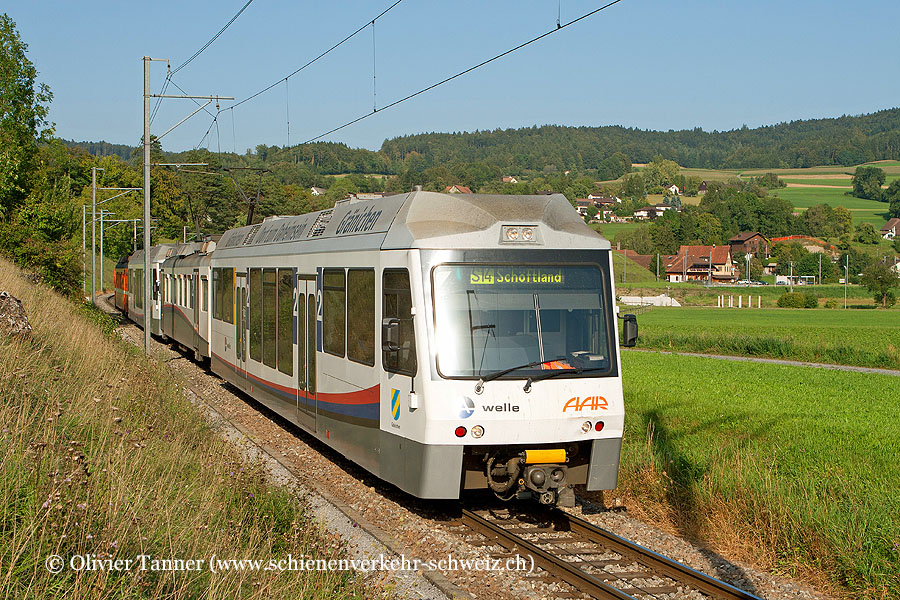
x,y
845,140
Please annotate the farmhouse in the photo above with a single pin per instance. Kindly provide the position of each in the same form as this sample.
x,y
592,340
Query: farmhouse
x,y
509,179
701,263
752,242
317,191
891,229
457,189
672,189
703,188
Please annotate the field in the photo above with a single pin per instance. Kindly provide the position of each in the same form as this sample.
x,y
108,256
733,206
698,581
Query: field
x,y
867,338
791,467
864,211
101,453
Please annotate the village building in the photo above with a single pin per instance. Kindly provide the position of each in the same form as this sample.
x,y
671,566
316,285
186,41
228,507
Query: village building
x,y
702,263
750,242
891,229
509,179
457,189
317,191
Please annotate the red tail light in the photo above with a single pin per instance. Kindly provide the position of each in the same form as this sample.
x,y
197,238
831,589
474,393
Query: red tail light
x,y
460,431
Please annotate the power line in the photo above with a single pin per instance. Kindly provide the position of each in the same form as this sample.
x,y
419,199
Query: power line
x,y
269,87
461,73
213,39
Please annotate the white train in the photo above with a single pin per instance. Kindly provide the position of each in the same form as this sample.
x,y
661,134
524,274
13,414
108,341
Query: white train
x,y
443,342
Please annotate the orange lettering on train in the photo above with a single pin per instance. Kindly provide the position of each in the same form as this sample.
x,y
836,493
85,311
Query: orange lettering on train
x,y
577,404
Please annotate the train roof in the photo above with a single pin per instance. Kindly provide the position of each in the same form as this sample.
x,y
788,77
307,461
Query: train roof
x,y
417,220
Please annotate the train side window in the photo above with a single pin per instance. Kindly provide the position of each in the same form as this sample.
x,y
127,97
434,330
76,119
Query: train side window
x,y
301,335
255,292
204,294
217,294
286,321
223,295
334,312
270,317
361,316
311,343
140,288
397,304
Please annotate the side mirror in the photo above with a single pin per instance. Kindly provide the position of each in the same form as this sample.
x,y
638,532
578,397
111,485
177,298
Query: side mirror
x,y
629,331
390,335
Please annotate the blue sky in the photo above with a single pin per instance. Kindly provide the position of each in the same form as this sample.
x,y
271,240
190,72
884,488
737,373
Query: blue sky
x,y
649,64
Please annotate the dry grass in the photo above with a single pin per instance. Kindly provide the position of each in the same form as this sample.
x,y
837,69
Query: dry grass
x,y
101,454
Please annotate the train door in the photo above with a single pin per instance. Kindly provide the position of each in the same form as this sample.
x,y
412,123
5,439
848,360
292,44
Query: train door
x,y
306,350
240,322
195,303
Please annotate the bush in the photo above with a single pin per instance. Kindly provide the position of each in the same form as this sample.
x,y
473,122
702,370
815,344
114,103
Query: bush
x,y
798,300
832,303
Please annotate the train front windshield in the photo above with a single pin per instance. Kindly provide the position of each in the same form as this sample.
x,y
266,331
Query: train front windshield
x,y
493,318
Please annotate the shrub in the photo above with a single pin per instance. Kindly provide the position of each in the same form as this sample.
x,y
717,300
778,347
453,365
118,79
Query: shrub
x,y
792,300
832,303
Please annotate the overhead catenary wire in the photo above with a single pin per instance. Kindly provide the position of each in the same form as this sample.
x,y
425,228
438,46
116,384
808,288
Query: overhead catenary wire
x,y
461,73
213,38
320,56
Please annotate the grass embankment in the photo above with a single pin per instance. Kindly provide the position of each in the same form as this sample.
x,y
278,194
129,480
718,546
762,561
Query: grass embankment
x,y
101,454
792,467
868,338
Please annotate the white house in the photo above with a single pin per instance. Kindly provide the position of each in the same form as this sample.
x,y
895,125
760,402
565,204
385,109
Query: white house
x,y
891,229
317,191
672,189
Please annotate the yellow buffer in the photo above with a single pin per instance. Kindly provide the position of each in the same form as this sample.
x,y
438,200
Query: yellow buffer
x,y
557,455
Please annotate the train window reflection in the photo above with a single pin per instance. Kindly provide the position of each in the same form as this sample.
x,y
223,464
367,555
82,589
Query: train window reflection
x,y
255,291
495,317
334,312
361,316
397,304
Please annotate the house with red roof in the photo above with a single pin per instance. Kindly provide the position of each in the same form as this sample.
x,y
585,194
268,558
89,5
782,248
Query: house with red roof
x,y
701,263
457,189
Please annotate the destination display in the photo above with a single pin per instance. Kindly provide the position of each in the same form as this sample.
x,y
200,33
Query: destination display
x,y
525,275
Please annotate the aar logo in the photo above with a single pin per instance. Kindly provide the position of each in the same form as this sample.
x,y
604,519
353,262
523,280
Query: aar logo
x,y
578,404
395,404
466,408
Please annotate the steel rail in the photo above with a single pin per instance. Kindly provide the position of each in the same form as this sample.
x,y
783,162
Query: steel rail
x,y
582,580
592,584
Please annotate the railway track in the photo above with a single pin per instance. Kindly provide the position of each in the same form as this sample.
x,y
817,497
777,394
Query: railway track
x,y
593,562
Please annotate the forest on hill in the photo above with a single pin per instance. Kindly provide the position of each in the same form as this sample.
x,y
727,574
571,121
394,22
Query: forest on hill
x,y
845,140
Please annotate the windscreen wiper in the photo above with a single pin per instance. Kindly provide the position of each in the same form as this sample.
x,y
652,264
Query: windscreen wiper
x,y
479,387
576,370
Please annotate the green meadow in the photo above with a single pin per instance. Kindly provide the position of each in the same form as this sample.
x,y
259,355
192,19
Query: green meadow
x,y
868,338
792,467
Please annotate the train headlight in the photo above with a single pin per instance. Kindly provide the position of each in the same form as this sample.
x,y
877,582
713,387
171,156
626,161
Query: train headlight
x,y
477,431
527,234
586,426
512,234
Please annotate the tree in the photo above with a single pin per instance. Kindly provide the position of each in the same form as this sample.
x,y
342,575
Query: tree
x,y
867,182
660,172
633,187
842,221
866,234
23,118
880,279
892,195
